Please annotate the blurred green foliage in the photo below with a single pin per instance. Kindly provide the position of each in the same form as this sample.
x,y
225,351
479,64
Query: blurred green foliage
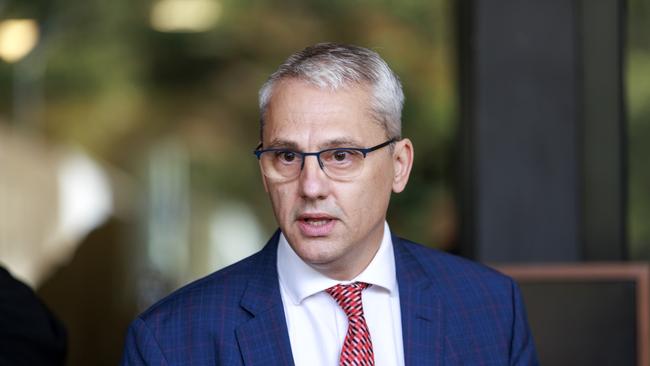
x,y
637,80
116,86
109,82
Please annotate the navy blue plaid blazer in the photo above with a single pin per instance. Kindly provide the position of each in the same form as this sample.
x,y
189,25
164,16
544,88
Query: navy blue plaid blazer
x,y
454,312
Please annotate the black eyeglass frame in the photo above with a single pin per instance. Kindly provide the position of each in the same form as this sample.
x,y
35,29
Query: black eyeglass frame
x,y
364,151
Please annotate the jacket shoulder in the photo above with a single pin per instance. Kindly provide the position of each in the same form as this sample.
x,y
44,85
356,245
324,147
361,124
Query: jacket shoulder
x,y
224,286
188,323
455,271
484,312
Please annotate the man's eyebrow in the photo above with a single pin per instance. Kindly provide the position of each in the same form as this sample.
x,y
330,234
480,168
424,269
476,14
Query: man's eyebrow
x,y
280,143
341,142
291,145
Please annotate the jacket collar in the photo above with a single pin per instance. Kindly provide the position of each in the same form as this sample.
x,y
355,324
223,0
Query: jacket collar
x,y
264,339
421,307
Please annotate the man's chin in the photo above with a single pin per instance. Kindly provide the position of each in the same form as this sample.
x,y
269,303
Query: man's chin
x,y
315,250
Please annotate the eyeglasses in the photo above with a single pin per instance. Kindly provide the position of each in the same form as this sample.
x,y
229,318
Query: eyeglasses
x,y
341,163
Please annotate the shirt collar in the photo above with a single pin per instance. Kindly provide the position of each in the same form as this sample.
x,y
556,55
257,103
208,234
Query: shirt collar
x,y
301,281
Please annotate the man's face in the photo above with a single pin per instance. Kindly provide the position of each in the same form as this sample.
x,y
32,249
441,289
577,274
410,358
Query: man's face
x,y
336,227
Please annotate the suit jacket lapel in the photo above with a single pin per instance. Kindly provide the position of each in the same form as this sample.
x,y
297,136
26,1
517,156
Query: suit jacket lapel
x,y
264,339
422,318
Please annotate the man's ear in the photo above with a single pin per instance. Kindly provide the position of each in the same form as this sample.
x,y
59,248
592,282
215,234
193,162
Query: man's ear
x,y
402,164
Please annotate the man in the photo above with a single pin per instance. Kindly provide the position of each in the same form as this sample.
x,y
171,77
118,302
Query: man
x,y
333,285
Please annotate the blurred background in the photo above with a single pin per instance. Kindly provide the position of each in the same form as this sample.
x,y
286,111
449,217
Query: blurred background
x,y
127,130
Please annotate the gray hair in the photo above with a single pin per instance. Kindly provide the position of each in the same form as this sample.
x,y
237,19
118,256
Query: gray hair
x,y
333,66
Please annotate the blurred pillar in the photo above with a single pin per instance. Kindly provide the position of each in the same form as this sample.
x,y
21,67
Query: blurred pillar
x,y
603,129
542,132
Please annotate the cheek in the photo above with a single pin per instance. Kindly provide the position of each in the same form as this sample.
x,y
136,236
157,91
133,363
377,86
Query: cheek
x,y
281,199
381,182
371,195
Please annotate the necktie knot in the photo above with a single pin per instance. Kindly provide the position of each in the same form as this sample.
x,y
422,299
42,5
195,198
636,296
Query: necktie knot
x,y
349,297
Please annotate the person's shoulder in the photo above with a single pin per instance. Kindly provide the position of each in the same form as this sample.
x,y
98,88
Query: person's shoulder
x,y
207,310
442,265
222,288
29,332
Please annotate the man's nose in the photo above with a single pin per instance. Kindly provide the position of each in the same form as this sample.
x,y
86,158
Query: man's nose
x,y
313,181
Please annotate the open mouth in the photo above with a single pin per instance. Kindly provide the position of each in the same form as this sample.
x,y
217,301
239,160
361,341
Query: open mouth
x,y
316,225
316,221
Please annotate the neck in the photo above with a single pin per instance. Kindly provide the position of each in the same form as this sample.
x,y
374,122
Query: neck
x,y
354,263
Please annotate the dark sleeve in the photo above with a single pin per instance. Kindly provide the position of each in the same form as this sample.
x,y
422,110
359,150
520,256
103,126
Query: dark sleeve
x,y
522,351
29,333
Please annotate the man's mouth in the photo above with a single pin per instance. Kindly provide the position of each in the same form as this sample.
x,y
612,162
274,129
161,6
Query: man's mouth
x,y
316,224
316,221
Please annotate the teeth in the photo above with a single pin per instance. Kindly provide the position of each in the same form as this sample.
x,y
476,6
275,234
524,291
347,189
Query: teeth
x,y
315,222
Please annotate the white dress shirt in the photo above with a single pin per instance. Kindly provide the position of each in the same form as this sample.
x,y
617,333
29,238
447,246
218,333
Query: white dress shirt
x,y
317,325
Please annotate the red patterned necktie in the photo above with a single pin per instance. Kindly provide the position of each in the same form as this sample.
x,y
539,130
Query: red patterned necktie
x,y
357,347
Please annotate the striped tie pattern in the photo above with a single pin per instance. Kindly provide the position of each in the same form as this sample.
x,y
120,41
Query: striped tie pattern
x,y
357,347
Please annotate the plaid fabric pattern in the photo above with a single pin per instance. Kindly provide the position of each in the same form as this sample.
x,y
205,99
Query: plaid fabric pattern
x,y
454,312
357,347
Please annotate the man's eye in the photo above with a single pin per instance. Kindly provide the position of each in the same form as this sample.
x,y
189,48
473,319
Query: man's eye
x,y
285,156
341,155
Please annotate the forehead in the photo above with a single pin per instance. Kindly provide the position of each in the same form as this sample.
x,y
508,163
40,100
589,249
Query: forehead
x,y
305,114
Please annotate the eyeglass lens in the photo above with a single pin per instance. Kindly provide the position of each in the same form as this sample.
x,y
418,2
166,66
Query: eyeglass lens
x,y
336,163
